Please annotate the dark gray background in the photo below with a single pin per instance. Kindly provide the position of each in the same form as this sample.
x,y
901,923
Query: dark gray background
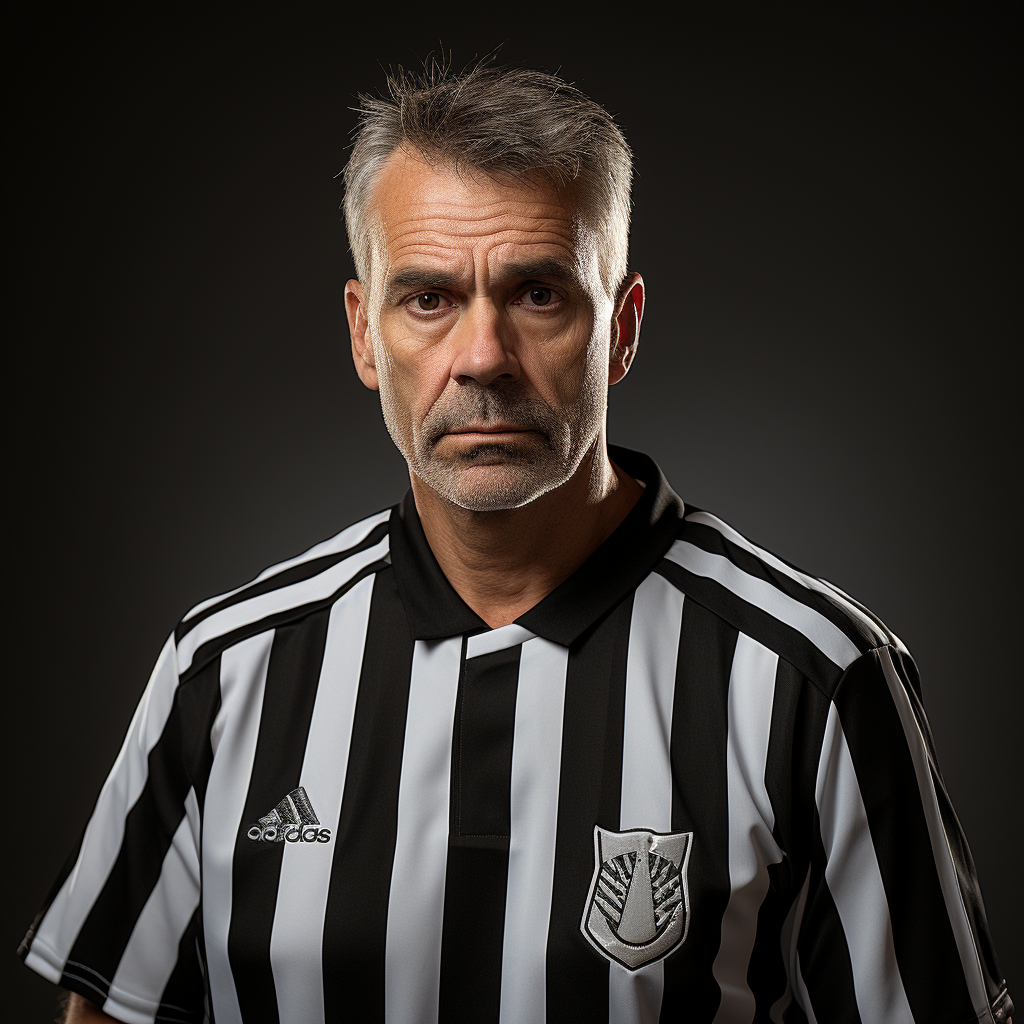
x,y
824,218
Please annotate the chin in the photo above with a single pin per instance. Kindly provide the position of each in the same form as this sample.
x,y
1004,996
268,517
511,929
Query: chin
x,y
495,487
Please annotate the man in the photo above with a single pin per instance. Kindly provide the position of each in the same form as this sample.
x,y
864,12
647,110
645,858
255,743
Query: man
x,y
541,742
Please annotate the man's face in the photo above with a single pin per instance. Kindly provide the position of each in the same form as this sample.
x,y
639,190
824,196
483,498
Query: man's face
x,y
487,332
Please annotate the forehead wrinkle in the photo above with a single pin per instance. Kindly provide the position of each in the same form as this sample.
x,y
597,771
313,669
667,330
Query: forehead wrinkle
x,y
438,231
442,200
446,251
480,218
419,201
467,237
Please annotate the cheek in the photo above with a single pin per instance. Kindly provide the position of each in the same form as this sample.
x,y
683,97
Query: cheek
x,y
416,376
572,378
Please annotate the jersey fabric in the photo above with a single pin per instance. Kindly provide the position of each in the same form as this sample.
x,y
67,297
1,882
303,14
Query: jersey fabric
x,y
692,784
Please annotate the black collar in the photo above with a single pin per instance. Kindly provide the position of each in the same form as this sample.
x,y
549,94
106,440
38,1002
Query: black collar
x,y
435,610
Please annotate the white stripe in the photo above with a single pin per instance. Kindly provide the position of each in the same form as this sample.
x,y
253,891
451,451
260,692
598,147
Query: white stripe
x,y
412,959
296,942
751,818
536,766
825,635
243,678
810,582
855,881
348,538
497,640
948,881
103,835
316,589
634,997
152,951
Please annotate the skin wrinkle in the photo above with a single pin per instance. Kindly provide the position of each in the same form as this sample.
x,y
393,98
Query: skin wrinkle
x,y
571,147
403,284
486,354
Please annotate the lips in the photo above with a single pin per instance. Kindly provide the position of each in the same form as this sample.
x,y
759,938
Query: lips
x,y
491,428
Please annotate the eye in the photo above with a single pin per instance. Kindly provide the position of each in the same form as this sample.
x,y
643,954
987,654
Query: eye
x,y
429,302
539,296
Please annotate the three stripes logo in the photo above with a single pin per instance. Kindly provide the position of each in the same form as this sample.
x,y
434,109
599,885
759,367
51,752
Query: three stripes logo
x,y
293,820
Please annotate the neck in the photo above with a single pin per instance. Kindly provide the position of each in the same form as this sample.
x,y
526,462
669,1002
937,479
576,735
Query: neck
x,y
503,563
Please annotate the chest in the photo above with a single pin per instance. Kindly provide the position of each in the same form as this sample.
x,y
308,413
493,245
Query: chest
x,y
509,822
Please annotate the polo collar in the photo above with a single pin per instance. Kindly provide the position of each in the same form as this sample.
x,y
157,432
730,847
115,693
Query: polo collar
x,y
618,566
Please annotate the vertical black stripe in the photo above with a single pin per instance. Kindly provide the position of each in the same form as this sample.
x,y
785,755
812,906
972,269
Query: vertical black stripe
x,y
355,925
476,875
766,971
589,794
476,882
292,676
824,955
202,958
793,1014
926,950
183,995
799,714
963,860
149,828
700,804
485,721
199,700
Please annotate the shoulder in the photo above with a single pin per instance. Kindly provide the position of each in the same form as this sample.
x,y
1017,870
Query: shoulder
x,y
283,592
804,619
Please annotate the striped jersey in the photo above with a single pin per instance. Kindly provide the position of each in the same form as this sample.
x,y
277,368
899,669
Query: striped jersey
x,y
692,784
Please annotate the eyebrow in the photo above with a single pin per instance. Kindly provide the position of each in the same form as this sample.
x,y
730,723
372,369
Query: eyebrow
x,y
422,279
418,279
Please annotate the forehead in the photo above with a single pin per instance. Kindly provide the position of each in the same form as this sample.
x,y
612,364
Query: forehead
x,y
434,213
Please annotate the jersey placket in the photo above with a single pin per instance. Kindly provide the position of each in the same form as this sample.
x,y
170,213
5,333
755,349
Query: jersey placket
x,y
479,830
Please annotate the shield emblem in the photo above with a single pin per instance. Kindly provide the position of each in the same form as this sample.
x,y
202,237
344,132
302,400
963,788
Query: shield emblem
x,y
638,910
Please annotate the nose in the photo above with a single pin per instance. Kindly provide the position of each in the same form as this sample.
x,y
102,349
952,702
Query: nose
x,y
485,351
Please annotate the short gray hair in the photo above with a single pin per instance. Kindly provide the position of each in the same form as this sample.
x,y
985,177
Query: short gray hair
x,y
506,122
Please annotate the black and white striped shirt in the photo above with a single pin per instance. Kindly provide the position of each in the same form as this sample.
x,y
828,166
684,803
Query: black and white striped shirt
x,y
693,783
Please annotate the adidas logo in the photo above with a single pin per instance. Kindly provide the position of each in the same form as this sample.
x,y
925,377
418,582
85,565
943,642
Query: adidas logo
x,y
293,820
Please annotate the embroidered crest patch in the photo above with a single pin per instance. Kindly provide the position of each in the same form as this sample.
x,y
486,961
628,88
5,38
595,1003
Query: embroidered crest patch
x,y
638,910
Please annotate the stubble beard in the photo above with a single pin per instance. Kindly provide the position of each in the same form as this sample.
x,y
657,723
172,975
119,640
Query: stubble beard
x,y
491,476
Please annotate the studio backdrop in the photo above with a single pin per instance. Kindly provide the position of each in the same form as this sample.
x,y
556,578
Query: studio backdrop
x,y
824,219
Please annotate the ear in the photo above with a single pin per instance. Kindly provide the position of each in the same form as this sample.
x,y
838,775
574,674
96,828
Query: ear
x,y
358,327
629,311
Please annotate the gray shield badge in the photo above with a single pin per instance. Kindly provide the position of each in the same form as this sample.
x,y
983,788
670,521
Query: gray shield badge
x,y
638,910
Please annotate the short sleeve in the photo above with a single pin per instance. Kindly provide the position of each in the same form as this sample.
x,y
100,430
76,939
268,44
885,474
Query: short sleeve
x,y
120,923
891,923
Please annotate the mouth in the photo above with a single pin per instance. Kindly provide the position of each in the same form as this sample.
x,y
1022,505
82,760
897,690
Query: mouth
x,y
492,431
